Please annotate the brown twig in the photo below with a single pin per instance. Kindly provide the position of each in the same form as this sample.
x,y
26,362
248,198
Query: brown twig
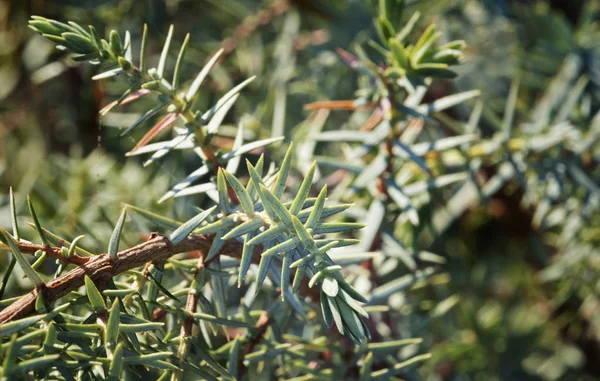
x,y
190,307
52,252
102,267
346,105
261,328
192,301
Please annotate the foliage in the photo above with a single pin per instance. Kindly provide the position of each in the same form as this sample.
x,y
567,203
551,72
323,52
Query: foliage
x,y
453,229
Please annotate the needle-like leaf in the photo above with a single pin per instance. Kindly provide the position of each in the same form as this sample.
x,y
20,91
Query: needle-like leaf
x,y
113,244
184,230
147,115
285,274
13,215
225,98
191,93
162,62
241,193
166,122
304,190
177,70
267,235
271,202
25,266
94,296
281,248
315,213
283,173
73,245
143,45
111,333
223,195
38,226
246,259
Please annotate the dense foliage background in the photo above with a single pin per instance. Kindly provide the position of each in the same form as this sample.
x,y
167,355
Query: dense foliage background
x,y
517,296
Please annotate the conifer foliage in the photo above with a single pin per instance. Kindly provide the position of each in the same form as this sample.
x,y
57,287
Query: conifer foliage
x,y
296,263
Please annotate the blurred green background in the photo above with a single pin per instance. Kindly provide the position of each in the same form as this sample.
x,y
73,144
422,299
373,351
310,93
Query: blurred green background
x,y
489,316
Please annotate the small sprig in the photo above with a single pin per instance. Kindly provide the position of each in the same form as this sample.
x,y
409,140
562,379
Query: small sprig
x,y
408,64
287,233
386,158
174,102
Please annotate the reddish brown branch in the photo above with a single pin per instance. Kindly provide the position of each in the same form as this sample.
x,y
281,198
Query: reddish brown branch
x,y
192,302
347,105
53,252
102,267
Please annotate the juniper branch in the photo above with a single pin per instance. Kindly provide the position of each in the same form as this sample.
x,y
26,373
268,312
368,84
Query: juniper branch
x,y
102,268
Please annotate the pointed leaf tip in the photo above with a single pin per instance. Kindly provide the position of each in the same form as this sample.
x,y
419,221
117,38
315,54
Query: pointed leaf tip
x,y
186,229
13,214
304,190
113,244
242,194
94,296
202,76
162,63
25,266
36,221
283,173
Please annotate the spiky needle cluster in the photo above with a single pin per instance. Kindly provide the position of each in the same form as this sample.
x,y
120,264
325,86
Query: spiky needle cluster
x,y
175,102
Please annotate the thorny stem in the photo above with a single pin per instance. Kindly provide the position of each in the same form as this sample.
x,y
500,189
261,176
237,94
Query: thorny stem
x,y
101,267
